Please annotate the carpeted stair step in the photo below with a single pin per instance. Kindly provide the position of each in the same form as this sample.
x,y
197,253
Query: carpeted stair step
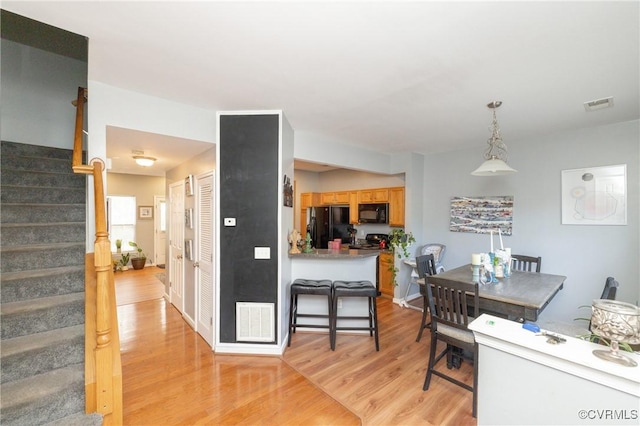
x,y
36,164
44,397
20,149
24,285
36,194
44,179
41,256
39,315
16,234
41,352
42,213
78,419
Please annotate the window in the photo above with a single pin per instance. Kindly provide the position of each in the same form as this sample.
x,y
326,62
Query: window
x,y
121,213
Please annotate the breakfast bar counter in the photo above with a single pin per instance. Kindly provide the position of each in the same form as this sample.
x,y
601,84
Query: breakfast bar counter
x,y
333,265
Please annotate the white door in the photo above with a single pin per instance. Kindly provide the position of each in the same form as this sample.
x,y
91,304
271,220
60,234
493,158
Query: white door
x,y
204,263
176,242
161,230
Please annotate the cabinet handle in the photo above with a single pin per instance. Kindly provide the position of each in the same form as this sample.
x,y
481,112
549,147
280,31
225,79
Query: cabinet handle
x,y
196,264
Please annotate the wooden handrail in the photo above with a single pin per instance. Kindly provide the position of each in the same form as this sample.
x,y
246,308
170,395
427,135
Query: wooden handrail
x,y
103,368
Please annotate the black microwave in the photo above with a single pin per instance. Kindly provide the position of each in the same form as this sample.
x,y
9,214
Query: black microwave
x,y
373,213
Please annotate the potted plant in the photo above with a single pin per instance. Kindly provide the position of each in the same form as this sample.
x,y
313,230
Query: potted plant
x,y
399,242
124,262
118,246
139,261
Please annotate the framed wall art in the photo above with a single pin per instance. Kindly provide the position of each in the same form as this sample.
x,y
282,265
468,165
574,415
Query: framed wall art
x,y
481,215
145,212
188,218
188,185
188,249
595,196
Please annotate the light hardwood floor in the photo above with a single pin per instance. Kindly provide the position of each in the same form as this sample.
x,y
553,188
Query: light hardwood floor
x,y
172,377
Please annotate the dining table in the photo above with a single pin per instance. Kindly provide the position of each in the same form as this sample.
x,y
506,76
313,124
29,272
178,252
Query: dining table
x,y
521,296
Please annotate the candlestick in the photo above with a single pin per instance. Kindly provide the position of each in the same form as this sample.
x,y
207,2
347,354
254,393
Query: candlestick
x,y
476,274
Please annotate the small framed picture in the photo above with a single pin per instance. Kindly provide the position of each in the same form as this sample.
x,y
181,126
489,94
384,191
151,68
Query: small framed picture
x,y
188,249
145,212
188,218
188,185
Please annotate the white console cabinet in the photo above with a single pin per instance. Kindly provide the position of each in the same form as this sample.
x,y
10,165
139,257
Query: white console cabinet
x,y
523,380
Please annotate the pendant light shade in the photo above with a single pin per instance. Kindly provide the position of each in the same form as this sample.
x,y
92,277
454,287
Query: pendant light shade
x,y
496,154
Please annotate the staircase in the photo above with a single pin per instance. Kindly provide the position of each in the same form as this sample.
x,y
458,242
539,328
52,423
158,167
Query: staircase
x,y
42,226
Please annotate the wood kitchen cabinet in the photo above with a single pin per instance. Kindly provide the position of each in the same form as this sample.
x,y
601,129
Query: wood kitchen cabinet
x,y
353,207
341,197
380,195
385,273
396,206
307,199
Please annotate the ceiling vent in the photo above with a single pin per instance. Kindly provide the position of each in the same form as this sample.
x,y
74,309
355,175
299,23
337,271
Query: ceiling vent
x,y
599,104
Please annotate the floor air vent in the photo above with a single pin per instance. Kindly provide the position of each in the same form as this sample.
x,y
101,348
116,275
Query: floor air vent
x,y
254,322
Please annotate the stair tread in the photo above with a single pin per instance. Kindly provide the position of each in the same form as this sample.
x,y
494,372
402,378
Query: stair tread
x,y
17,275
28,247
38,386
39,340
28,305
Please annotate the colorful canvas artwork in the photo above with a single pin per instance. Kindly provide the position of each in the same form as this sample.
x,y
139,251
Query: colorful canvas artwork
x,y
481,215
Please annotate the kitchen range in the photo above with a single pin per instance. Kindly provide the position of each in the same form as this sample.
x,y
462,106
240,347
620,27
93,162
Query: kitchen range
x,y
373,242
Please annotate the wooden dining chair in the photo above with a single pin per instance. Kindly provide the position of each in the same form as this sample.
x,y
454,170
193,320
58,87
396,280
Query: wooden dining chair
x,y
450,317
426,266
520,262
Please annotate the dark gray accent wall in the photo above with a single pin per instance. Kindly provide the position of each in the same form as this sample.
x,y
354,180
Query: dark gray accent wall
x,y
249,179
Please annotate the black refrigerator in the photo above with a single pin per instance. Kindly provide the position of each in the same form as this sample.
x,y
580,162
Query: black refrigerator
x,y
327,224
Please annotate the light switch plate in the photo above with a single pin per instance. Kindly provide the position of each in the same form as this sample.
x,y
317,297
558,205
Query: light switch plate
x,y
229,221
262,252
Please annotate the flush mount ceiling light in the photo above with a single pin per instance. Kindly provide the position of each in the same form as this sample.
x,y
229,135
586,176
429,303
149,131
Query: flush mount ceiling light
x,y
496,154
144,161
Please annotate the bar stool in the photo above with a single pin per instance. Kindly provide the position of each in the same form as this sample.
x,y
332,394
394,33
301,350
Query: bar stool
x,y
355,289
314,288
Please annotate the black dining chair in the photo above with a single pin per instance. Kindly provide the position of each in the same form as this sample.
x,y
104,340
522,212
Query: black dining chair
x,y
520,262
450,318
426,266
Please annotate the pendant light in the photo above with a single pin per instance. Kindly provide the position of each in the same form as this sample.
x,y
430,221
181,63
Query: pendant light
x,y
496,154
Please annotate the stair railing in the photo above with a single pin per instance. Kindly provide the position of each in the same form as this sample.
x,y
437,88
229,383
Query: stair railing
x,y
103,368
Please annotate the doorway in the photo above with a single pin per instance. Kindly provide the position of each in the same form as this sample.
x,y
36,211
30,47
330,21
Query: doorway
x,y
160,231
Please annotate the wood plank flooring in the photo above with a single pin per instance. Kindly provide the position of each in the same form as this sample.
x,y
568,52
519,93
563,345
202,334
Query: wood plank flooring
x,y
171,376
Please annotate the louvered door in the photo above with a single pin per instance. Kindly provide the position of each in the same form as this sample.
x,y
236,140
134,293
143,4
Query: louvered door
x,y
205,265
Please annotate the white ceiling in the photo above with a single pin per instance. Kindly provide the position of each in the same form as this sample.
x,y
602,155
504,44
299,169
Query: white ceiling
x,y
386,76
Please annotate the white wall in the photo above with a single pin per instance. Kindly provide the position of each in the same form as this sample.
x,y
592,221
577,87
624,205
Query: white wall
x,y
587,255
37,90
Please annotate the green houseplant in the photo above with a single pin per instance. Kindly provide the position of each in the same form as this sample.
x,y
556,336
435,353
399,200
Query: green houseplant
x,y
139,261
124,261
399,242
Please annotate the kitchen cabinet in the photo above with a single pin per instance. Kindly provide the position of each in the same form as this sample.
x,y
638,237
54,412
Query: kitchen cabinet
x,y
385,273
380,195
353,207
341,197
396,206
309,199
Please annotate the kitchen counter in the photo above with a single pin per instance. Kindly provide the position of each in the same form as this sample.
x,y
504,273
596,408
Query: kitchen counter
x,y
336,254
333,265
